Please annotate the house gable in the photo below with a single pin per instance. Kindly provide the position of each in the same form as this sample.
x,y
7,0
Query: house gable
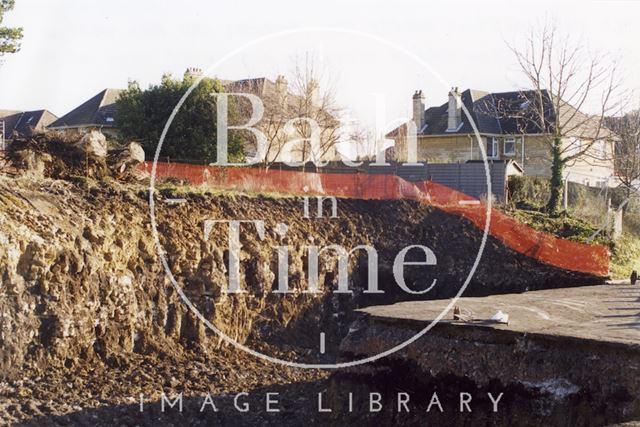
x,y
99,111
24,123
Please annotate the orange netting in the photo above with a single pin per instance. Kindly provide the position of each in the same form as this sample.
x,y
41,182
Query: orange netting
x,y
544,247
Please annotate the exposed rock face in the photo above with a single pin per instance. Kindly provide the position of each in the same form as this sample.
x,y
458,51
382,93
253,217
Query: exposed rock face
x,y
80,277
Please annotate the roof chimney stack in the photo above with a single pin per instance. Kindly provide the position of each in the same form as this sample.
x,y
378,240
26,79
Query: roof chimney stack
x,y
418,110
454,110
281,84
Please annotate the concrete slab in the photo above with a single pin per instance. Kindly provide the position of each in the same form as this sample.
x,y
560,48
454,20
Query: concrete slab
x,y
609,313
568,356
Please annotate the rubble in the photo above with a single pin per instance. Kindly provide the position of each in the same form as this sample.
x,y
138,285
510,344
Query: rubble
x,y
63,155
126,159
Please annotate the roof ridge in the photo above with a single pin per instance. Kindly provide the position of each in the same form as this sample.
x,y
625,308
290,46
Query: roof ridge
x,y
94,116
104,95
106,92
80,115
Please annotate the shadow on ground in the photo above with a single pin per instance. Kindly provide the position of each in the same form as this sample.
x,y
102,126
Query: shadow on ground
x,y
296,405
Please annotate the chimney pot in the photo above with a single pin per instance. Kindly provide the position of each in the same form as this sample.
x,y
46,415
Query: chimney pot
x,y
418,109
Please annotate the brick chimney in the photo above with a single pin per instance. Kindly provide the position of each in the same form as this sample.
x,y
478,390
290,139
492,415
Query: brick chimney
x,y
418,110
454,110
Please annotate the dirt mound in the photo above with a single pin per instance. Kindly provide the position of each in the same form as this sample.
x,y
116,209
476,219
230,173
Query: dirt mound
x,y
64,155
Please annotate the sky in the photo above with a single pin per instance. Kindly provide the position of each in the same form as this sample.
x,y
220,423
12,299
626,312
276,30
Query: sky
x,y
375,50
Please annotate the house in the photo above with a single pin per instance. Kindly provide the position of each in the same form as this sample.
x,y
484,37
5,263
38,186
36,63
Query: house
x,y
281,105
100,111
23,123
444,134
96,113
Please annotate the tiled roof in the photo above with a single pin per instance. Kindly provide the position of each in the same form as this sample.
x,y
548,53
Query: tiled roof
x,y
6,113
24,123
502,113
479,105
97,111
258,86
100,110
262,87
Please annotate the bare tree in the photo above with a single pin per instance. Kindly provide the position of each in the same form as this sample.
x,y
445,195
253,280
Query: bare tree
x,y
294,114
317,111
627,161
358,139
564,80
277,111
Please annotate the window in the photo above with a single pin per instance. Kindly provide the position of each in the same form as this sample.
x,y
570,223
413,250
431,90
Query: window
x,y
492,148
109,119
510,146
600,149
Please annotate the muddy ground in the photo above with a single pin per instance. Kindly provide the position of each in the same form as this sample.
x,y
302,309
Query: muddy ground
x,y
109,394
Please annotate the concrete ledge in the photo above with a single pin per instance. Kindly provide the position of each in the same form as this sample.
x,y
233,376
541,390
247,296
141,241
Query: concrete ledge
x,y
568,354
609,313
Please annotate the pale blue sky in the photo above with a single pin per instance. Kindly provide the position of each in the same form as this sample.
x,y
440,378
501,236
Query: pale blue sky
x,y
73,49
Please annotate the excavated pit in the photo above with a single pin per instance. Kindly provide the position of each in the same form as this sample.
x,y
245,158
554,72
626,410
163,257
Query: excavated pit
x,y
81,281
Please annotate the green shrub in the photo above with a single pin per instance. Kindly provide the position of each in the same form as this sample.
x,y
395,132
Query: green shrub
x,y
587,211
563,226
529,191
532,193
625,256
142,114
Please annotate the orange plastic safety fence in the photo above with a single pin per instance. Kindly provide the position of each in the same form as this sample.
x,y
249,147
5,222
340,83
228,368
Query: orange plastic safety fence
x,y
544,247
